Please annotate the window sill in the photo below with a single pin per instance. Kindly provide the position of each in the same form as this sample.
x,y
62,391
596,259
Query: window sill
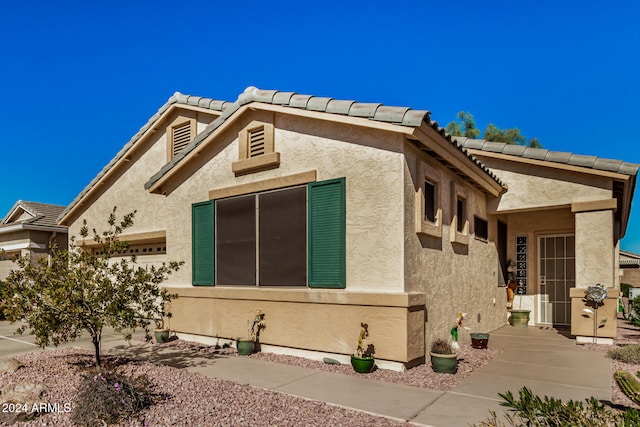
x,y
430,229
459,238
256,164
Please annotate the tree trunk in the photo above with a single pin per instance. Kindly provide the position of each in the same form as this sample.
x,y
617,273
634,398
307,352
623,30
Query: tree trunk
x,y
96,345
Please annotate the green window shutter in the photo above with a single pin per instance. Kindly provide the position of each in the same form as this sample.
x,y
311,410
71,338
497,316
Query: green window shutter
x,y
202,241
326,242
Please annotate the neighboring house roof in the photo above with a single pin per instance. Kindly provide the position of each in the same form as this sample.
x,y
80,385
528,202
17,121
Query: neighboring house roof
x,y
629,259
32,215
591,162
402,116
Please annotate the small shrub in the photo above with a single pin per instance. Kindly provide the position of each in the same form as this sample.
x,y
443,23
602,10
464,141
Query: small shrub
x,y
107,396
634,311
628,354
440,346
624,288
531,410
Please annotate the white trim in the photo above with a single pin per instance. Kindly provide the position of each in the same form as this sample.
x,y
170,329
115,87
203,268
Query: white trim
x,y
23,226
18,246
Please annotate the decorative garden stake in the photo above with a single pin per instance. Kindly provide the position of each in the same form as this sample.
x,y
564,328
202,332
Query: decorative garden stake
x,y
595,295
454,331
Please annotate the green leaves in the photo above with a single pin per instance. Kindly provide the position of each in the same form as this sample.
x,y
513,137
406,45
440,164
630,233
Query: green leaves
x,y
85,289
465,125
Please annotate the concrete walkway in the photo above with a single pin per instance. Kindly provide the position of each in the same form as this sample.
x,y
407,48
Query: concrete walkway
x,y
546,361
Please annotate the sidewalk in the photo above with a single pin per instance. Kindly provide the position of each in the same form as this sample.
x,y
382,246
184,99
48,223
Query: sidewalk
x,y
542,359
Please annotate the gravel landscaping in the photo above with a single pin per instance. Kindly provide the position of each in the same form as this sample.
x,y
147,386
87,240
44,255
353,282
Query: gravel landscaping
x,y
191,399
627,334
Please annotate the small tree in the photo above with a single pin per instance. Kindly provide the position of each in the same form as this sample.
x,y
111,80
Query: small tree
x,y
85,289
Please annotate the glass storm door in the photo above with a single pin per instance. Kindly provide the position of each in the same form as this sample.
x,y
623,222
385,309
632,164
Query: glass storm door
x,y
557,276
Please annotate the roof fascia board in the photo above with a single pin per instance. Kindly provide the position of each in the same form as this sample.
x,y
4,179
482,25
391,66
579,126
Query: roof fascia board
x,y
428,137
125,154
26,245
14,210
156,187
27,226
627,200
628,180
332,117
548,164
254,106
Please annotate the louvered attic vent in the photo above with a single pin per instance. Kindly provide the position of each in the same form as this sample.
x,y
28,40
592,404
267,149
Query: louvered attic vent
x,y
181,137
256,142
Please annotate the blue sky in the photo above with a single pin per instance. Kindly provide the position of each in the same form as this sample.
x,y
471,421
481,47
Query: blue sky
x,y
79,79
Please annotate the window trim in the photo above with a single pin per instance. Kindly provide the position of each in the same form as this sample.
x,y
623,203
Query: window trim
x,y
422,225
179,122
268,160
459,193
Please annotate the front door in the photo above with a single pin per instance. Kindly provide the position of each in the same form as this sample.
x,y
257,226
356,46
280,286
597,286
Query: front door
x,y
557,276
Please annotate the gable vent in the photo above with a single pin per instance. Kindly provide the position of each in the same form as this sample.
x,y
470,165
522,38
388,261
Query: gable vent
x,y
256,142
181,137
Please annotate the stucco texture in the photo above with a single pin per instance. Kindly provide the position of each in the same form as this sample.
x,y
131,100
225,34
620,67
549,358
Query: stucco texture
x,y
454,278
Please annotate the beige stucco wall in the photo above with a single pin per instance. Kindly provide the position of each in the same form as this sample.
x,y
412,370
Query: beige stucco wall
x,y
630,276
454,278
546,201
26,238
371,161
538,187
595,253
373,193
318,320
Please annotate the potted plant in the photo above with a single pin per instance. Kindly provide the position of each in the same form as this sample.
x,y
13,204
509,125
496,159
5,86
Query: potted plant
x,y
479,340
520,317
444,359
362,360
247,346
161,333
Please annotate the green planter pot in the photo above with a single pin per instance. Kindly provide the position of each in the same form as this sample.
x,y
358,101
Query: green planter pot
x,y
479,340
161,335
245,347
362,365
520,318
444,363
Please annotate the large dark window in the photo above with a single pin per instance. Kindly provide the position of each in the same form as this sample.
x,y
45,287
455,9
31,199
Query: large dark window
x,y
236,241
283,237
288,237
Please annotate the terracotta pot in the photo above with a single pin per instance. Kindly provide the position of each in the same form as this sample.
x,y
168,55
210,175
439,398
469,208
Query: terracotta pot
x,y
479,340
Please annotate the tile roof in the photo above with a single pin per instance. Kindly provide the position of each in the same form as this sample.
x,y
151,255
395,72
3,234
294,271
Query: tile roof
x,y
176,98
402,116
44,214
572,159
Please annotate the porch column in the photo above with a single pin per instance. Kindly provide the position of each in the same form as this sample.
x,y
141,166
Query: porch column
x,y
595,263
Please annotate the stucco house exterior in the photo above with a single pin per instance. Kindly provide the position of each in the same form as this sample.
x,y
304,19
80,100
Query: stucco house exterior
x,y
29,229
327,213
